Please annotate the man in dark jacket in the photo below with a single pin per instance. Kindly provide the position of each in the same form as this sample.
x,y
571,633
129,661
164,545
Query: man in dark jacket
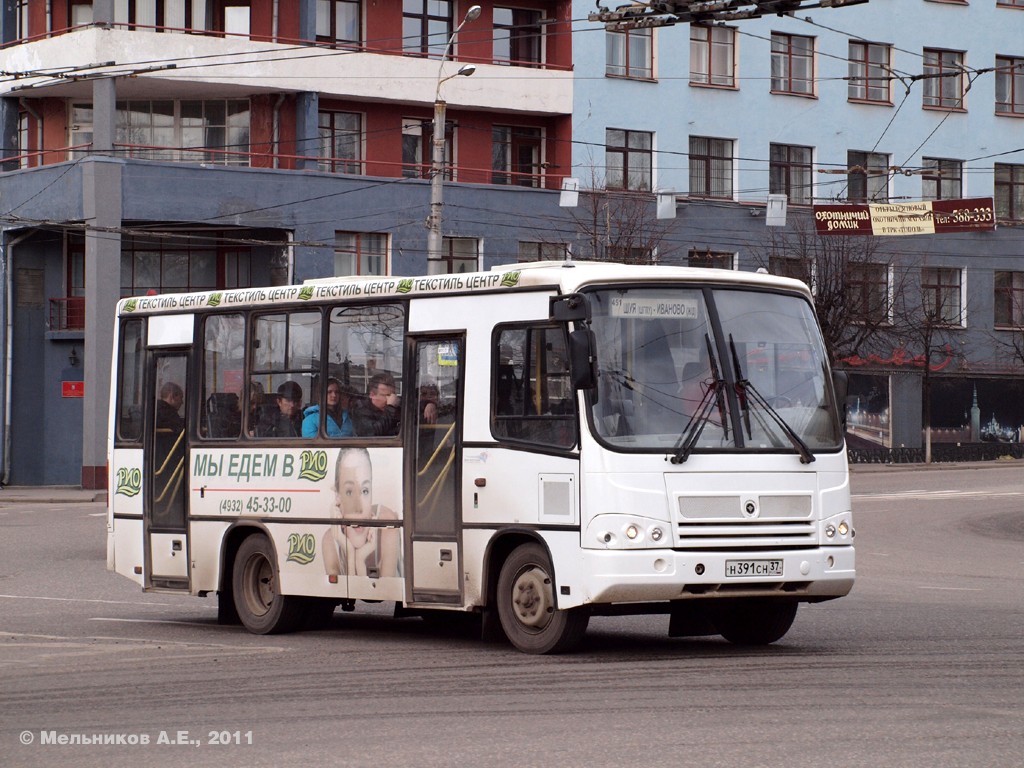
x,y
378,415
287,421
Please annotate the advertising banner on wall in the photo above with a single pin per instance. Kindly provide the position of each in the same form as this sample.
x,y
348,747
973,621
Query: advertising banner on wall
x,y
928,217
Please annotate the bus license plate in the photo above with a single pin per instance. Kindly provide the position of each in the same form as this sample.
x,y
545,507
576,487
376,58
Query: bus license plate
x,y
739,568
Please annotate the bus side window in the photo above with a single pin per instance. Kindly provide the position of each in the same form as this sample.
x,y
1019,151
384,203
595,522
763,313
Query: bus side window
x,y
129,385
222,376
531,394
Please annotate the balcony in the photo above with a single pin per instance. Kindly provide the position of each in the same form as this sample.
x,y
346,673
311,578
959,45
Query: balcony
x,y
67,314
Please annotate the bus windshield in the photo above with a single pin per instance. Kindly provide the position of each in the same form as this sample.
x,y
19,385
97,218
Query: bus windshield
x,y
687,369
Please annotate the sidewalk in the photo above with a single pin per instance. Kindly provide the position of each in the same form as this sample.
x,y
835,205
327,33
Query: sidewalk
x,y
50,494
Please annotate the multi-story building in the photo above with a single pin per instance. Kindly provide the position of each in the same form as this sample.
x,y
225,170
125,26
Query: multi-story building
x,y
174,145
171,145
883,102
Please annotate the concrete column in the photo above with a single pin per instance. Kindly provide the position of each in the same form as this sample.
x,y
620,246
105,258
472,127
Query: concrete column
x,y
104,115
9,133
102,208
307,132
103,11
307,19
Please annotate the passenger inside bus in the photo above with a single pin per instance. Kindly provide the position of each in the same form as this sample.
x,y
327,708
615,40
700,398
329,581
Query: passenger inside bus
x,y
338,422
287,421
378,415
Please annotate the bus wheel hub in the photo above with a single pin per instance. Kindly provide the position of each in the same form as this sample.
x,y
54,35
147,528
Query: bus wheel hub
x,y
531,595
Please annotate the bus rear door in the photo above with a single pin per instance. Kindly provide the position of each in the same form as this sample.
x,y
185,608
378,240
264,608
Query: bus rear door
x,y
165,472
434,461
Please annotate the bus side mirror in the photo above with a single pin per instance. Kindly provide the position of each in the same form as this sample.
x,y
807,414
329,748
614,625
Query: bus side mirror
x,y
841,388
582,359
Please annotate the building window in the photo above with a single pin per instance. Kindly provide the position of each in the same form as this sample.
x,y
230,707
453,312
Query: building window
x,y
1009,299
943,78
792,64
709,259
418,148
1009,85
791,266
426,25
869,72
789,173
867,286
628,158
534,251
24,148
360,253
339,21
630,53
1011,3
341,142
215,132
712,55
518,36
459,254
1009,192
942,178
21,19
179,266
79,13
163,14
234,16
867,177
515,156
711,168
940,289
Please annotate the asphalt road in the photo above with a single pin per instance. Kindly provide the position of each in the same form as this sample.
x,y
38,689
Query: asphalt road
x,y
921,665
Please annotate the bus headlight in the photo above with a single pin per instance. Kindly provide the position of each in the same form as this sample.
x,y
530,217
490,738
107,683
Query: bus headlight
x,y
830,531
614,531
656,533
632,532
844,528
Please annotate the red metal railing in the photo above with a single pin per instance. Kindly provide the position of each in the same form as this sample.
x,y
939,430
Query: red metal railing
x,y
67,314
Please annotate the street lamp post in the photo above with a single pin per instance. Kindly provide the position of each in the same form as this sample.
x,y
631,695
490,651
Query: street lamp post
x,y
435,258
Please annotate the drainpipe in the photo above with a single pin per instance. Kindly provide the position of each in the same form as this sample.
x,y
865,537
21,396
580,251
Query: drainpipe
x,y
7,264
275,23
276,128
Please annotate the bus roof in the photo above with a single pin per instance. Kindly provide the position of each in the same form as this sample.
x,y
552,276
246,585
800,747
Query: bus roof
x,y
560,276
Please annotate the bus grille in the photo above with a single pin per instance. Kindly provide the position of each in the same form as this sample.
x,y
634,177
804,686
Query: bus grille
x,y
745,522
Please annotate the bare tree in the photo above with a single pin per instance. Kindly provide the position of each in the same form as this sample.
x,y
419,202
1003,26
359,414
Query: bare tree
x,y
854,280
931,314
621,226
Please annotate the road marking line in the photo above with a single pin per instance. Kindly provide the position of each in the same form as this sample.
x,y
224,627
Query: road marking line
x,y
81,600
953,589
150,621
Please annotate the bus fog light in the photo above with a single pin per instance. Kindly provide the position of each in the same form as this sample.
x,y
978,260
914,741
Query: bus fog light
x,y
830,531
656,534
843,528
660,565
631,532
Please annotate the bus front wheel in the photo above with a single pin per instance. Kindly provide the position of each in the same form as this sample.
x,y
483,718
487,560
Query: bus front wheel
x,y
526,605
755,622
261,607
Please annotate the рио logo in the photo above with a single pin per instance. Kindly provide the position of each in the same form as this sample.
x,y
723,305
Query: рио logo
x,y
313,465
301,548
404,286
306,293
129,481
214,300
510,279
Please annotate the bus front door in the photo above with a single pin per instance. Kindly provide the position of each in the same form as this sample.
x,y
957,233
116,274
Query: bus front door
x,y
433,503
165,470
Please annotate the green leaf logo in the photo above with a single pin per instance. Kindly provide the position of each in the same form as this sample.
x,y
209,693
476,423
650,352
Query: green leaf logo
x,y
301,548
404,286
306,293
214,300
313,466
131,305
510,279
129,481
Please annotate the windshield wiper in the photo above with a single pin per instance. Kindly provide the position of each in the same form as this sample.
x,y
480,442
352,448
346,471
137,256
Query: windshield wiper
x,y
713,396
745,390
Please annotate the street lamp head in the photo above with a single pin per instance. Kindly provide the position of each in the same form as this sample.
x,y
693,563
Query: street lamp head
x,y
473,13
466,70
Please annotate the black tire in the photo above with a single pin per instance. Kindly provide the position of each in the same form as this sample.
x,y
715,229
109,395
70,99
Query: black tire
x,y
255,582
526,605
755,622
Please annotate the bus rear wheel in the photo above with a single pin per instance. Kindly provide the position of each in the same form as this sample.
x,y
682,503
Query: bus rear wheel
x,y
755,622
526,605
261,607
